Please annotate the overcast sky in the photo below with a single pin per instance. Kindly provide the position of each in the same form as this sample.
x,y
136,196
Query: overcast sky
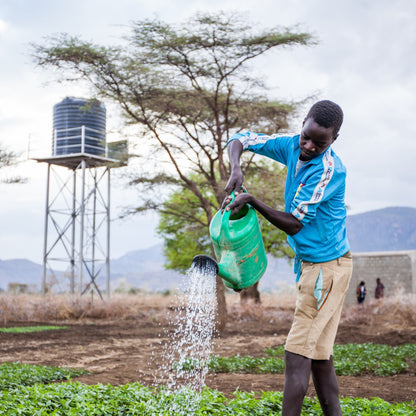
x,y
364,60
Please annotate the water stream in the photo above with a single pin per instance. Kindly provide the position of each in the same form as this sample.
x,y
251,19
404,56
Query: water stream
x,y
187,352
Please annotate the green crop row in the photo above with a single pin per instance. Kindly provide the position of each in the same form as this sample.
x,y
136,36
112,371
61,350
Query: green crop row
x,y
134,399
23,393
381,360
26,329
246,364
16,374
349,360
360,351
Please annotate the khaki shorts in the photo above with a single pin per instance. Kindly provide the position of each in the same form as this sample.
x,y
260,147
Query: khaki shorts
x,y
321,291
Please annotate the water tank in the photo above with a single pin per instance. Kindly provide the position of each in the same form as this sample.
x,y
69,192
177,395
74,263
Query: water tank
x,y
78,127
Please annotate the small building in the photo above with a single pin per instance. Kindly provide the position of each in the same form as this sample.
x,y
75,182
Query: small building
x,y
17,288
396,270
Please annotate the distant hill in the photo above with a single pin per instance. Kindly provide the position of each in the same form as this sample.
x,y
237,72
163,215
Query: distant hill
x,y
144,269
388,229
20,271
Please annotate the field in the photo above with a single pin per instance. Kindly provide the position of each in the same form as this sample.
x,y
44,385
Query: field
x,y
121,341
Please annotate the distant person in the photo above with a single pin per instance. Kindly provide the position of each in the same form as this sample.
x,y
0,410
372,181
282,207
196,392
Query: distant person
x,y
379,289
361,292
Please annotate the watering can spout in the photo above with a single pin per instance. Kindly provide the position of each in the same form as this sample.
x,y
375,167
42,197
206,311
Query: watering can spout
x,y
205,263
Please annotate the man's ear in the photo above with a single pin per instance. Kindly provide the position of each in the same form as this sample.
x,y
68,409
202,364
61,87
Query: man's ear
x,y
335,137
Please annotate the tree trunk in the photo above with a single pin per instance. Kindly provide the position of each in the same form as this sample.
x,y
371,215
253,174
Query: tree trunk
x,y
251,292
221,311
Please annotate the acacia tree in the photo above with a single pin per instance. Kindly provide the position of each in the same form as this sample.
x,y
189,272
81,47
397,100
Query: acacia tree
x,y
186,87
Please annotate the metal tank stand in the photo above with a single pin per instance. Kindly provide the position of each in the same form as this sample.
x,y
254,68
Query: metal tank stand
x,y
77,224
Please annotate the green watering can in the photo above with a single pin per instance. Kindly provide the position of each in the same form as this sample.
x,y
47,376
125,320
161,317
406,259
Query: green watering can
x,y
238,246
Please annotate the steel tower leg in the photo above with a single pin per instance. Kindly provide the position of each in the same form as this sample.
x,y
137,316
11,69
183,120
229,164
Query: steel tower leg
x,y
45,240
81,231
73,219
107,254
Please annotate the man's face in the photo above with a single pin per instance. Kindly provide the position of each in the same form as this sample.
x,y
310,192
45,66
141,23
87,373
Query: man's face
x,y
314,139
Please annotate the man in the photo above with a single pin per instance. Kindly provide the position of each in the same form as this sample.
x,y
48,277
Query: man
x,y
314,219
379,292
361,292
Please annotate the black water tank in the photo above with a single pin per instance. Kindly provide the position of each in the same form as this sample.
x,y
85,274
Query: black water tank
x,y
69,117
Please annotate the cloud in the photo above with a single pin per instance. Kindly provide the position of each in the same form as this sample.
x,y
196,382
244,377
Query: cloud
x,y
3,26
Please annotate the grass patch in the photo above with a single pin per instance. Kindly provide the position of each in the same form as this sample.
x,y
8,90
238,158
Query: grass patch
x,y
13,375
59,308
134,399
26,329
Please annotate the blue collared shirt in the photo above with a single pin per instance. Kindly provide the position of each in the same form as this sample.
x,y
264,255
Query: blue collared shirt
x,y
314,195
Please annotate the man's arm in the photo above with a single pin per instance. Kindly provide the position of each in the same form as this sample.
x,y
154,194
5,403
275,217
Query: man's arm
x,y
282,220
235,150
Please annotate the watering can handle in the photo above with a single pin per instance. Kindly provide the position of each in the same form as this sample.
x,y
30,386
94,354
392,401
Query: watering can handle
x,y
225,219
226,214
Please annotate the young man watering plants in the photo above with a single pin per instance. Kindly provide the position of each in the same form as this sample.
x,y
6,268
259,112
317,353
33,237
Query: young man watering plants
x,y
314,219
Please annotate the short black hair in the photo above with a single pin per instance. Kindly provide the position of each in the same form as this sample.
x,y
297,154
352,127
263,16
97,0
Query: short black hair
x,y
327,114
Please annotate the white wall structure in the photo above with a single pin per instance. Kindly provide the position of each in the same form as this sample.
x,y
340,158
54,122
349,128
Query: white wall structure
x,y
396,270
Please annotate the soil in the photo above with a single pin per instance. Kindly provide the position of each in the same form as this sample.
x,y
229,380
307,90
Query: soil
x,y
129,350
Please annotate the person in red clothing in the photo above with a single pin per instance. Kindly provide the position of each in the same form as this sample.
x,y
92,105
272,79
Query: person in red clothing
x,y
379,289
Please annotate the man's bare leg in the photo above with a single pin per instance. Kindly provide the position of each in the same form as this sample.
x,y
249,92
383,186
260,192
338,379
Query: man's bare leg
x,y
297,374
326,386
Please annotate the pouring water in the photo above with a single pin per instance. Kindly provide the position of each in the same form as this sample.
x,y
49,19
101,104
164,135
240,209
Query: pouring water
x,y
189,348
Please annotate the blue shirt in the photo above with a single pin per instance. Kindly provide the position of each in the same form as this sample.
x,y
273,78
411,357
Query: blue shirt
x,y
314,195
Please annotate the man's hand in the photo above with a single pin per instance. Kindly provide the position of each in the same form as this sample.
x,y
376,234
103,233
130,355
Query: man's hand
x,y
241,198
235,183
